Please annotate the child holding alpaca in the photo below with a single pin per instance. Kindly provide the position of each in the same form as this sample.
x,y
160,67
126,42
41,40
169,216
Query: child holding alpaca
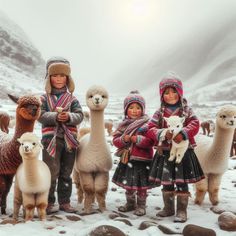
x,y
132,173
174,177
61,113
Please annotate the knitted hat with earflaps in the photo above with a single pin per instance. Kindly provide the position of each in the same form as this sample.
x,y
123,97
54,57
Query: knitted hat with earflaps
x,y
134,97
58,65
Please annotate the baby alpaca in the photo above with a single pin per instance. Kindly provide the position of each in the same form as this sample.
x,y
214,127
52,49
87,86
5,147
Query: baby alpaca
x,y
175,125
33,179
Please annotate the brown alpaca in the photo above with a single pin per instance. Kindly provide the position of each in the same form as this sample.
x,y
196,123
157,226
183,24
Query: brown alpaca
x,y
27,112
109,126
233,147
4,121
207,127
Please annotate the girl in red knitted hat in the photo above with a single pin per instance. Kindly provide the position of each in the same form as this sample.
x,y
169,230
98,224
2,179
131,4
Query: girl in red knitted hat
x,y
136,152
174,177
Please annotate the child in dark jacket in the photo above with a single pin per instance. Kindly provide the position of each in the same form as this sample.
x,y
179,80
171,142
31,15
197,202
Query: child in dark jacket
x,y
61,113
132,173
169,173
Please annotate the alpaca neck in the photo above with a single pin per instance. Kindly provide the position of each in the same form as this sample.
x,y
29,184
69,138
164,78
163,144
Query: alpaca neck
x,y
23,126
97,134
222,140
31,168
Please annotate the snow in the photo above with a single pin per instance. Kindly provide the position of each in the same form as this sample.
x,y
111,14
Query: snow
x,y
60,224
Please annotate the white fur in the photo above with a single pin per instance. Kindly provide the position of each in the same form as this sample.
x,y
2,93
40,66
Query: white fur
x,y
33,178
94,161
175,125
213,154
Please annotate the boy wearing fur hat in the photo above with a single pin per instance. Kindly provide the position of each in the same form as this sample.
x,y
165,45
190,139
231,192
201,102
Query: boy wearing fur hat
x,y
174,177
61,113
132,172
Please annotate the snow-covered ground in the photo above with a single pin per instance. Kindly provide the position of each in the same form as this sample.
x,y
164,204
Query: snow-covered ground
x,y
62,224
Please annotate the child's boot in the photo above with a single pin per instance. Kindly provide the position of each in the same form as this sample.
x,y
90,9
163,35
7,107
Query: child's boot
x,y
182,203
169,204
130,202
141,206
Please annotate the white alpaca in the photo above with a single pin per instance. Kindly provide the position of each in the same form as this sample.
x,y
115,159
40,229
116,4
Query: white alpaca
x,y
94,161
175,125
213,154
33,179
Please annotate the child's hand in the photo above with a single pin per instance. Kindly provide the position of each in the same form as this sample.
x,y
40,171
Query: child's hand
x,y
63,117
127,138
178,138
168,135
134,139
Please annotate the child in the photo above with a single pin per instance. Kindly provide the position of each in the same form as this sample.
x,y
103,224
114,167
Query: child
x,y
61,113
169,173
132,174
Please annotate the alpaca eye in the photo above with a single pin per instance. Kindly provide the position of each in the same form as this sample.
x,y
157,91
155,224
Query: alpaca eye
x,y
103,96
91,96
223,117
22,144
177,126
34,144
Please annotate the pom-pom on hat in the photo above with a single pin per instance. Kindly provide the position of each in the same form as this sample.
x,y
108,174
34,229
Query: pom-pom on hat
x,y
58,65
134,97
171,80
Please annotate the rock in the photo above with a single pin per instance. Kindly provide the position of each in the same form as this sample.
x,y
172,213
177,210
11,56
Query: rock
x,y
113,216
113,189
120,214
168,230
106,230
9,221
146,224
124,221
227,221
195,230
73,218
217,209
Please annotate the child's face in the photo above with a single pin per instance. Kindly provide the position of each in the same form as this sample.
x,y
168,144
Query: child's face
x,y
58,81
170,96
134,110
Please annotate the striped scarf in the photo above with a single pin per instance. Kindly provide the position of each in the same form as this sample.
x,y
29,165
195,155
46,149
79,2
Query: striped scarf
x,y
71,142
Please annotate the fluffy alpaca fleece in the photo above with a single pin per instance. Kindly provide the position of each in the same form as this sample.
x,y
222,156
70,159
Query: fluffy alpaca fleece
x,y
213,154
175,125
33,179
4,122
94,161
27,112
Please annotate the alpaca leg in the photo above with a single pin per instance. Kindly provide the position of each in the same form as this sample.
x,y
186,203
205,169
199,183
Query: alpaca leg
x,y
29,205
201,189
41,204
101,186
80,192
214,181
7,180
172,154
87,182
17,201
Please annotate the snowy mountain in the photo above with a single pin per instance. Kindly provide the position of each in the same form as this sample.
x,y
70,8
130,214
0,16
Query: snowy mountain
x,y
21,64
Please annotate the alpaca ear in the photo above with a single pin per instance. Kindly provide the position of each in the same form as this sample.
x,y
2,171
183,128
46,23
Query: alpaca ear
x,y
41,145
18,140
13,98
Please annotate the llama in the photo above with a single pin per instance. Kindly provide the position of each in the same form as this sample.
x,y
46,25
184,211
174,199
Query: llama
x,y
33,179
207,127
94,161
27,112
175,125
213,154
4,122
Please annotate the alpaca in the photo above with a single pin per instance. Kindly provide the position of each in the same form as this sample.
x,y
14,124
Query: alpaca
x,y
108,126
27,112
4,122
33,179
94,161
175,125
207,127
213,154
233,147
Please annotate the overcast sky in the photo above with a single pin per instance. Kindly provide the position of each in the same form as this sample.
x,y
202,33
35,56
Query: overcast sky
x,y
103,38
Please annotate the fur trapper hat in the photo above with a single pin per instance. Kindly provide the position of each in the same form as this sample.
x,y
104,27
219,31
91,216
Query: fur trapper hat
x,y
134,97
58,65
171,80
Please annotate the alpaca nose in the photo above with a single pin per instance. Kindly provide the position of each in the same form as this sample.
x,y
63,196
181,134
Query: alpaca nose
x,y
97,100
26,148
231,122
